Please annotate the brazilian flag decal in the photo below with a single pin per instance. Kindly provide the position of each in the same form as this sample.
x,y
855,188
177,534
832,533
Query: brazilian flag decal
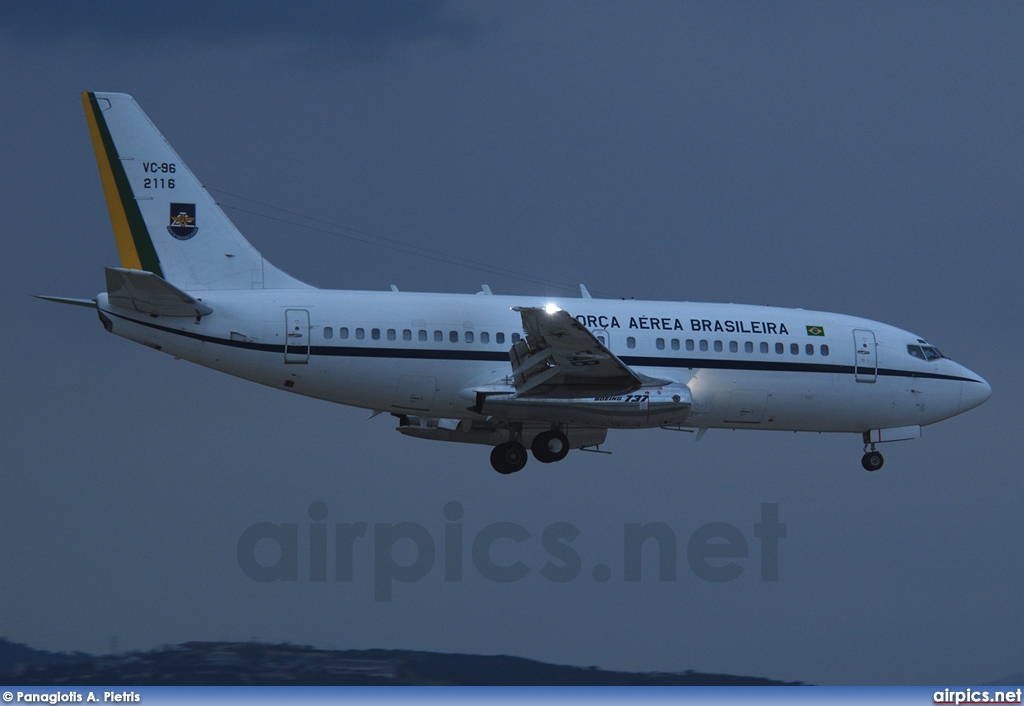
x,y
815,330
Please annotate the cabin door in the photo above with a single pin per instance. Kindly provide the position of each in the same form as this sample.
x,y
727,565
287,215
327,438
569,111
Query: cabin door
x,y
866,366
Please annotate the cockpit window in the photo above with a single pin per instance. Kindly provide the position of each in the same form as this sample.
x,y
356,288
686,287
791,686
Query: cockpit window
x,y
925,352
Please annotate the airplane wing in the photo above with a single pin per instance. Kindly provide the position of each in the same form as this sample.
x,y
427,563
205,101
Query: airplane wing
x,y
150,294
560,358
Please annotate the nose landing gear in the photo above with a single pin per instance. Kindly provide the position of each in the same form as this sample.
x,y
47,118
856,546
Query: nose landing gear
x,y
872,459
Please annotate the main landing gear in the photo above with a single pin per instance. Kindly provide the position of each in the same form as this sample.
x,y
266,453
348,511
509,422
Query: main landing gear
x,y
508,457
550,446
547,447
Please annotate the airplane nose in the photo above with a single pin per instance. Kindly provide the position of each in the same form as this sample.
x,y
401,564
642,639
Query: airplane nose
x,y
973,392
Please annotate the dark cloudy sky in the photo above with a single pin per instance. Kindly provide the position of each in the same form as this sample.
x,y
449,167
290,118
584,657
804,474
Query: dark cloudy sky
x,y
864,158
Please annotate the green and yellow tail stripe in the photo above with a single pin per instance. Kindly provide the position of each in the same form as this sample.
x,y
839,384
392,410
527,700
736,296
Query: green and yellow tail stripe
x,y
133,242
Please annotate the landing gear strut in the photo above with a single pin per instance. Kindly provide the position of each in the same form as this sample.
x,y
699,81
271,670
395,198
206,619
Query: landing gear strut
x,y
508,457
550,446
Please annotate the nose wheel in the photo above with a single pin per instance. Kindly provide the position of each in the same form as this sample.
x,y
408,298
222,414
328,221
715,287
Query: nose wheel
x,y
872,460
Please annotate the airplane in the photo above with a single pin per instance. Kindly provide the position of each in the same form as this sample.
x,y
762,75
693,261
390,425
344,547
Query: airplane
x,y
511,372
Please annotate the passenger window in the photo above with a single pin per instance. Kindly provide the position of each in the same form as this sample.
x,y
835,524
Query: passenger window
x,y
438,336
780,349
375,334
328,332
406,335
764,347
748,347
794,348
422,334
718,346
360,334
630,342
391,334
734,347
703,345
809,348
485,337
515,338
660,344
689,344
343,332
469,336
675,344
453,336
499,337
824,349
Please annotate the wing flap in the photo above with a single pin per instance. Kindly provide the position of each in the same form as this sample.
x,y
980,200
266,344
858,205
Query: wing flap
x,y
148,293
560,358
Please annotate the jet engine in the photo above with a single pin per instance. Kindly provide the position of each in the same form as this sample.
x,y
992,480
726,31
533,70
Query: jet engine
x,y
646,407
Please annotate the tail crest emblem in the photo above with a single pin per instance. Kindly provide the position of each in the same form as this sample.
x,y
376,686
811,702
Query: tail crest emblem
x,y
183,221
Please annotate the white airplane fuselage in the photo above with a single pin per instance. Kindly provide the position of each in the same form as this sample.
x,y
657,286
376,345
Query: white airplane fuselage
x,y
511,372
811,383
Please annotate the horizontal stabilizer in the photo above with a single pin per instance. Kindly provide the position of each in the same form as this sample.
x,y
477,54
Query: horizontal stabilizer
x,y
74,301
148,293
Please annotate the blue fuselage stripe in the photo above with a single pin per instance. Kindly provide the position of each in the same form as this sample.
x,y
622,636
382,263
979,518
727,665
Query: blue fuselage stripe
x,y
500,356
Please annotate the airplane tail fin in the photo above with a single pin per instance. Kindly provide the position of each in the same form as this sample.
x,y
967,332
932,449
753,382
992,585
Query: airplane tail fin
x,y
164,221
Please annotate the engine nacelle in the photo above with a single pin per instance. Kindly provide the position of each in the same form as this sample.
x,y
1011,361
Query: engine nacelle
x,y
653,407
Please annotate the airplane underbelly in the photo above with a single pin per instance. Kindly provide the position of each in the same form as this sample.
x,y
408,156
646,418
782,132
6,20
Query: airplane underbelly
x,y
782,401
401,386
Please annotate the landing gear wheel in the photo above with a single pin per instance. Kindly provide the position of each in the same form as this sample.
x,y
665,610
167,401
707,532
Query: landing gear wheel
x,y
550,446
508,457
872,461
